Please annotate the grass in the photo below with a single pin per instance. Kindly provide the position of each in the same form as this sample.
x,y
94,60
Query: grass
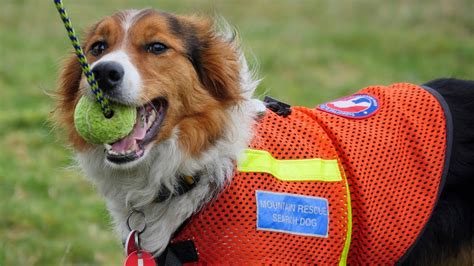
x,y
307,52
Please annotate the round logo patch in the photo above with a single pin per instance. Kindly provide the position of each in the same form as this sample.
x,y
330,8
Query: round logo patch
x,y
356,106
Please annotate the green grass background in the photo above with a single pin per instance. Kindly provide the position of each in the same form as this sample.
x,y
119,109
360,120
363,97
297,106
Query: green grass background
x,y
307,52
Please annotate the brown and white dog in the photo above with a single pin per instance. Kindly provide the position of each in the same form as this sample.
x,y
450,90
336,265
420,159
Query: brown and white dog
x,y
198,86
195,87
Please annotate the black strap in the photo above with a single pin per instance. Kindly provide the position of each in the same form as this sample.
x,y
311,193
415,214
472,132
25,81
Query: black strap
x,y
178,253
278,107
168,258
185,184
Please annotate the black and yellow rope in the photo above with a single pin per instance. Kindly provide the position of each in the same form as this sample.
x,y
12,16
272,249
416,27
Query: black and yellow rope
x,y
101,99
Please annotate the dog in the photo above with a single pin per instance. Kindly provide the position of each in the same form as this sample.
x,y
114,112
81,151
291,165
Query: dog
x,y
191,84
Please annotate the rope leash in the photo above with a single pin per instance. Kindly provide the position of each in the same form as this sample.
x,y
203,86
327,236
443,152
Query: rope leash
x,y
99,96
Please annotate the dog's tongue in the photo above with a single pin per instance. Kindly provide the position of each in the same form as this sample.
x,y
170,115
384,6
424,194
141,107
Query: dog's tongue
x,y
138,133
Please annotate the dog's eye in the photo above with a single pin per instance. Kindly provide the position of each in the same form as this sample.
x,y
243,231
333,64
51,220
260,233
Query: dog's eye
x,y
98,48
156,48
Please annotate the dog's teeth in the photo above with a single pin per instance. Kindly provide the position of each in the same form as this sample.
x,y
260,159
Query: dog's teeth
x,y
108,146
152,116
113,152
133,148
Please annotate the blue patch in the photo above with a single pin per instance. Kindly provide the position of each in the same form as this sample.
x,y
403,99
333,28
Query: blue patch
x,y
356,106
291,213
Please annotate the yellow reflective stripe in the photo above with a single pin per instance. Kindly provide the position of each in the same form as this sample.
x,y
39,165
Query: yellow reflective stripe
x,y
345,251
290,170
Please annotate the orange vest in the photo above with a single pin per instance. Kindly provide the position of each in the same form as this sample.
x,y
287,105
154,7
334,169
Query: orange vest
x,y
389,146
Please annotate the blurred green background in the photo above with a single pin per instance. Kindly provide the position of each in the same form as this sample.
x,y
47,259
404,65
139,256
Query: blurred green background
x,y
307,52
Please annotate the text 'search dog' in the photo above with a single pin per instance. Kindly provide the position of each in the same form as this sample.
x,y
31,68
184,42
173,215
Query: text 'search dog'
x,y
197,170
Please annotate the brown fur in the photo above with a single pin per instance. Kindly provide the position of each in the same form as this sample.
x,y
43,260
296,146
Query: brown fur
x,y
68,96
198,75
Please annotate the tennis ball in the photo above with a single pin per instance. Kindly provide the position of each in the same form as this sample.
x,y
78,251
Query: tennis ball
x,y
94,127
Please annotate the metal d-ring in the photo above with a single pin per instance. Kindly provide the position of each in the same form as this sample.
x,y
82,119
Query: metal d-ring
x,y
144,220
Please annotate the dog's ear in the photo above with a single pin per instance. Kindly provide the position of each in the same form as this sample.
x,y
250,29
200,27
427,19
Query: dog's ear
x,y
66,98
69,80
68,94
216,60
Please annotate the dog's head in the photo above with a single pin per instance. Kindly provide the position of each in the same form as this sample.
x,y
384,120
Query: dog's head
x,y
179,73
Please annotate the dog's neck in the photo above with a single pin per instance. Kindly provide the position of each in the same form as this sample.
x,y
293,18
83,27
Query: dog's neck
x,y
137,187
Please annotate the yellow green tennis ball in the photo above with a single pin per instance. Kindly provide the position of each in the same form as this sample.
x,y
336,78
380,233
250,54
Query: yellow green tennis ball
x,y
94,127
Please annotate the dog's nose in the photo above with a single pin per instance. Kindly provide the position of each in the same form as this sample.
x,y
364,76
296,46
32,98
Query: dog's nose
x,y
108,74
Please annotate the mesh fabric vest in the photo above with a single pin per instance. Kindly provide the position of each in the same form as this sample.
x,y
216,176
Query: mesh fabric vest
x,y
392,162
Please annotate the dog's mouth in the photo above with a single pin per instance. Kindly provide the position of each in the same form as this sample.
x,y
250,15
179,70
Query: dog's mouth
x,y
147,125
